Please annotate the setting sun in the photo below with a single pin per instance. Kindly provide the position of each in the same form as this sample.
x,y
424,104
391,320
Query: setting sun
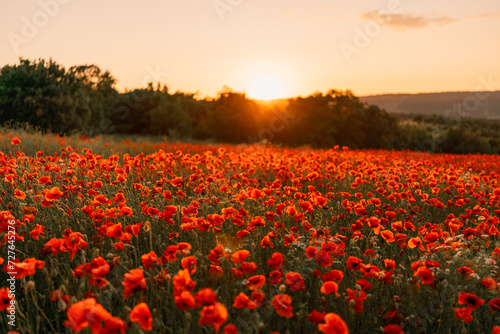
x,y
266,88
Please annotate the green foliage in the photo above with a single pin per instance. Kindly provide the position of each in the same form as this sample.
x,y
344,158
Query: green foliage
x,y
83,99
449,135
338,118
45,95
233,117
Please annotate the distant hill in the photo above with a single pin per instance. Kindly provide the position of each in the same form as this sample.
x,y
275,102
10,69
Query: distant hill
x,y
453,104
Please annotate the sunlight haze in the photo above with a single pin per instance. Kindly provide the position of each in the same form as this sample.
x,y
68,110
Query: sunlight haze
x,y
268,49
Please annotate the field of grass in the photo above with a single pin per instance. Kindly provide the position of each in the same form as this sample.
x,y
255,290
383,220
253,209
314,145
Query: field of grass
x,y
109,236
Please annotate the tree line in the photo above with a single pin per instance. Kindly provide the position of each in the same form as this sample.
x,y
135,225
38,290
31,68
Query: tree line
x,y
84,99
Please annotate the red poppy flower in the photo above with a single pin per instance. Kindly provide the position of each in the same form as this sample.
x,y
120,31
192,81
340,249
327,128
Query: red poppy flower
x,y
489,283
425,274
242,301
311,251
354,263
276,277
230,329
390,264
275,261
256,282
98,267
134,281
28,267
114,325
150,260
416,242
316,317
334,324
86,313
323,258
330,287
5,298
19,194
206,296
170,254
15,141
142,315
184,301
494,304
294,281
393,329
356,297
388,236
189,263
470,299
213,315
282,303
463,313
239,256
183,282
466,272
53,194
364,284
333,275
37,231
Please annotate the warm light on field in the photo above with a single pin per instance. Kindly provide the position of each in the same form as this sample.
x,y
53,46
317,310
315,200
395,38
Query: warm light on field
x,y
335,240
266,88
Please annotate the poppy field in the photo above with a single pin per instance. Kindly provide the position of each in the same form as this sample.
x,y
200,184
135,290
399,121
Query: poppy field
x,y
188,238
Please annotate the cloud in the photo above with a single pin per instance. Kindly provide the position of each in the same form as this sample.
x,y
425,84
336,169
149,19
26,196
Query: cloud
x,y
407,21
485,16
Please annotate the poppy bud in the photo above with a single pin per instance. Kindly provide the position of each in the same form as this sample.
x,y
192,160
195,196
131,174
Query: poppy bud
x,y
61,305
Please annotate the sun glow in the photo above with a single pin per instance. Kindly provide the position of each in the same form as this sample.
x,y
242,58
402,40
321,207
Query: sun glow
x,y
266,88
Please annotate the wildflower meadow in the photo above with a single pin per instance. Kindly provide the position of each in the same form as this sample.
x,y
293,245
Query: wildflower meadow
x,y
103,236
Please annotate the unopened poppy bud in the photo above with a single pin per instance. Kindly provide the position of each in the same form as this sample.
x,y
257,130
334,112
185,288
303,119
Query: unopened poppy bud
x,y
282,287
261,326
397,299
188,316
30,285
61,305
352,302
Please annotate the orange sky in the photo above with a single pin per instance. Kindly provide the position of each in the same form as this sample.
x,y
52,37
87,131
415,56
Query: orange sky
x,y
266,48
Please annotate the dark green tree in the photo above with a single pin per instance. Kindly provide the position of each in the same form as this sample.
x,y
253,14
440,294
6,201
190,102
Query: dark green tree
x,y
45,95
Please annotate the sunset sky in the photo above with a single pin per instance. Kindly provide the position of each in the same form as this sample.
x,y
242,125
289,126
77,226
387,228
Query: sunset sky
x,y
267,48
